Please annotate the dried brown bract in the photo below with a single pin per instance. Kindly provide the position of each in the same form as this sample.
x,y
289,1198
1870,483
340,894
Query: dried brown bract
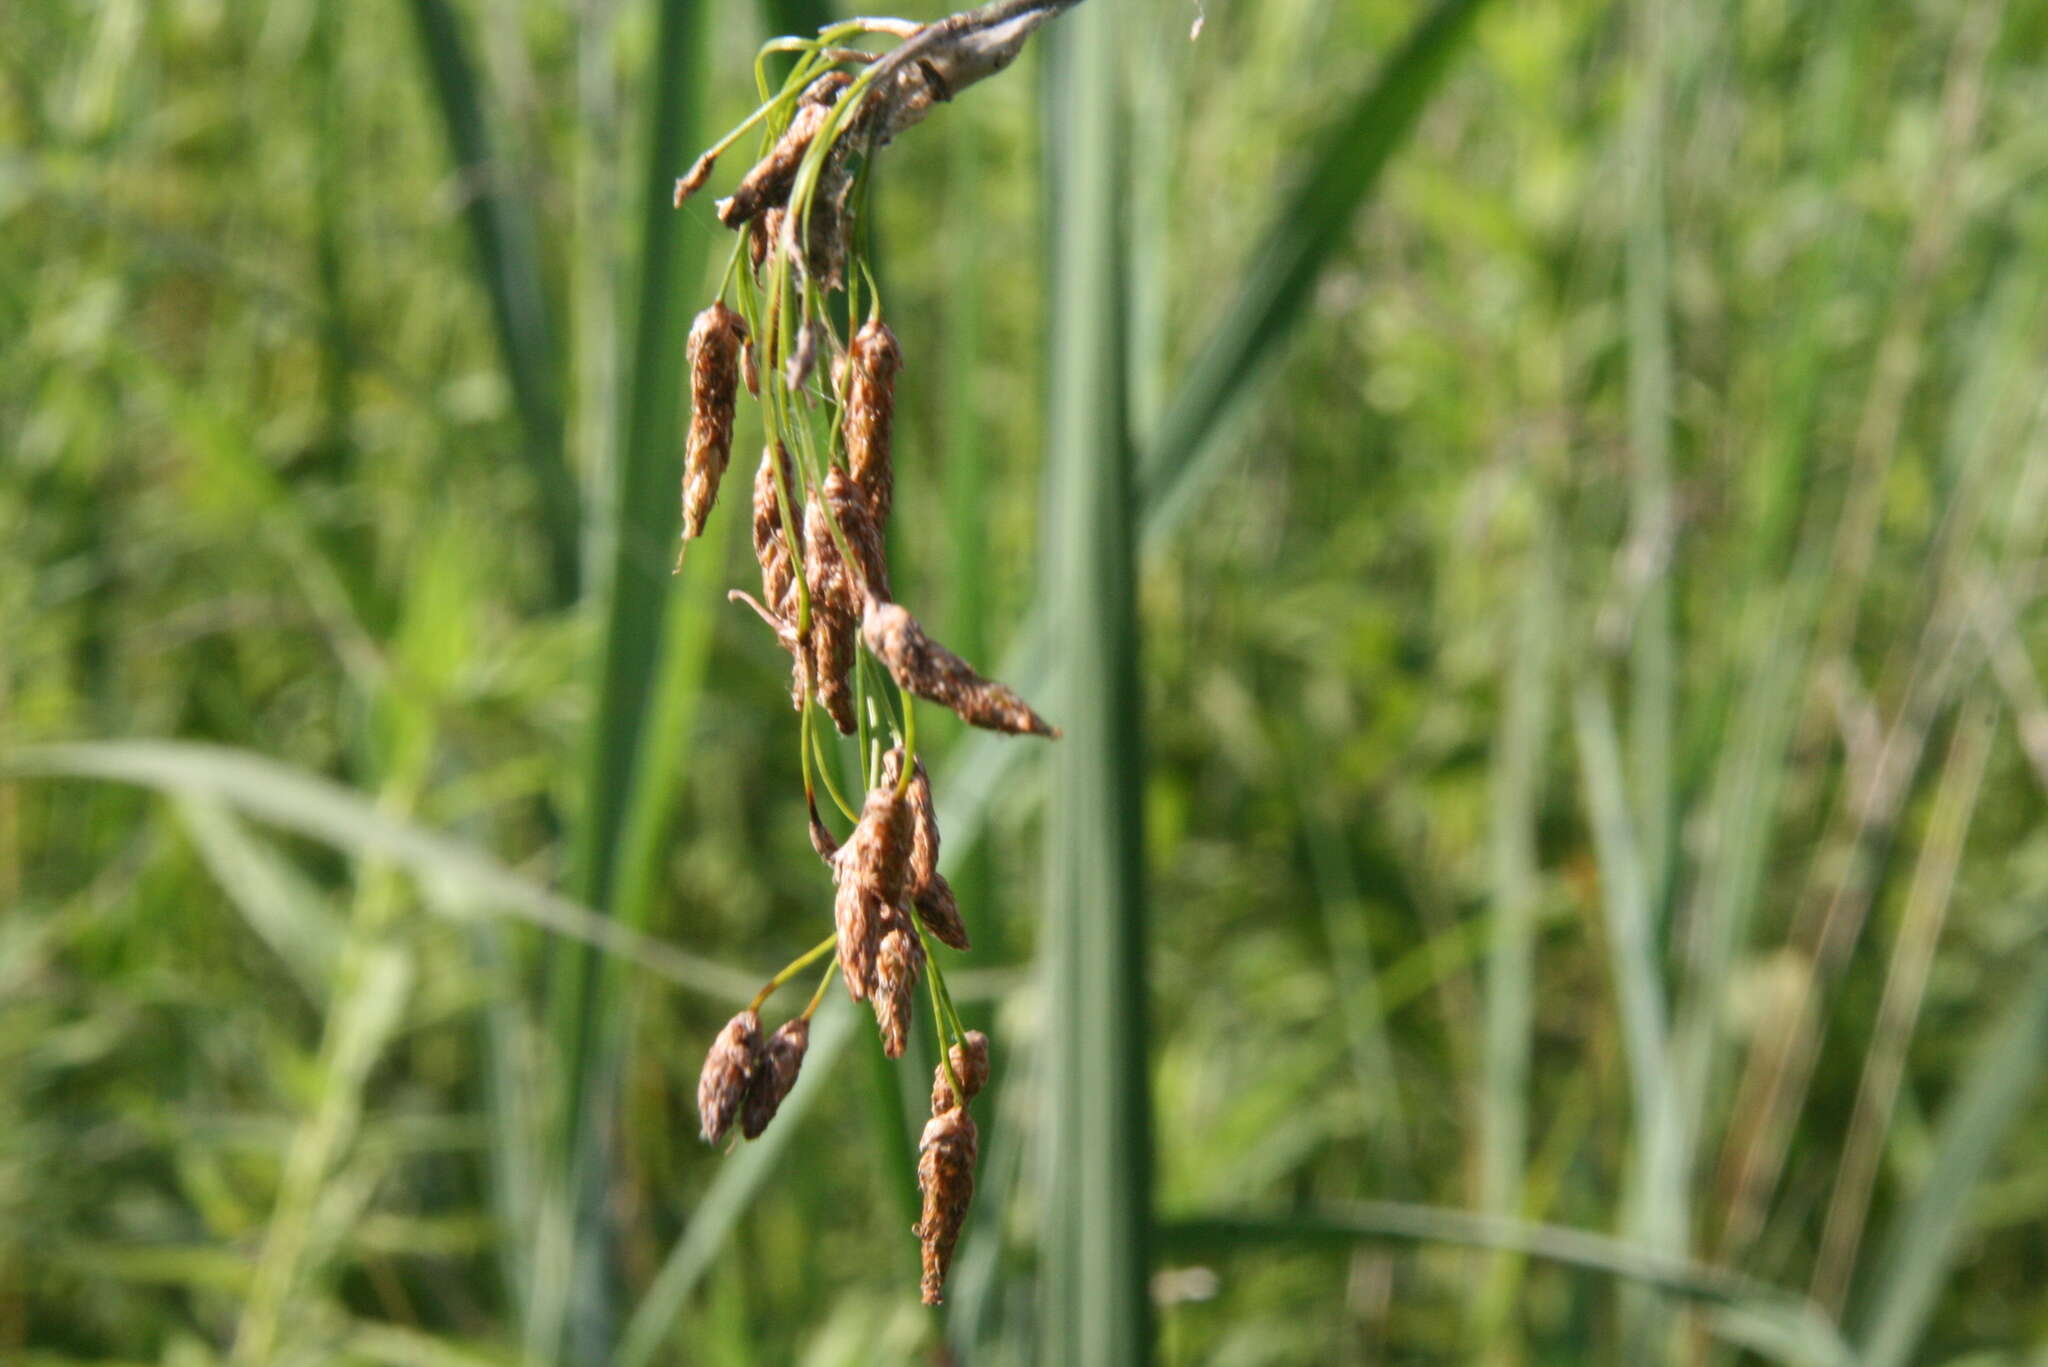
x,y
780,1063
767,185
970,1062
834,612
899,965
870,389
946,1155
728,1074
716,339
931,671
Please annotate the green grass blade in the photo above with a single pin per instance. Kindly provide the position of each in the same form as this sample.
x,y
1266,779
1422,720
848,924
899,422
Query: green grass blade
x,y
1767,1317
1098,1186
1517,785
1306,235
280,904
508,260
630,789
1925,1238
455,879
1302,242
1653,525
741,1177
1654,1208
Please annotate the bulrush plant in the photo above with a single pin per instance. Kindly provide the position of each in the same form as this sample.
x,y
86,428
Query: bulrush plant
x,y
805,334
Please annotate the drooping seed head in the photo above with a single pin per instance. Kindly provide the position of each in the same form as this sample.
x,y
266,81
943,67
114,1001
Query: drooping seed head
x,y
780,1062
946,1155
970,1061
870,389
931,671
728,1074
716,339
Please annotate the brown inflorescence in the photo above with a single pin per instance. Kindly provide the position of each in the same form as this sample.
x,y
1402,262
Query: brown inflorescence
x,y
728,1074
823,496
970,1063
931,671
870,389
716,339
775,1075
946,1154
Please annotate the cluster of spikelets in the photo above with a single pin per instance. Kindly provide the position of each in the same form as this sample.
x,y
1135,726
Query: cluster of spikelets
x,y
822,499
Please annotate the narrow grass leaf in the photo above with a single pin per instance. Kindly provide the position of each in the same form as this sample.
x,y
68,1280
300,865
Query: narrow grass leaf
x,y
508,263
1928,1232
456,879
280,904
1770,1316
634,532
1310,230
1097,1197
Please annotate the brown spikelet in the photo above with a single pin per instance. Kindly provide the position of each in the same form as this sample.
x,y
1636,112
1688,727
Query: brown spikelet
x,y
780,1062
767,185
899,964
821,836
929,891
803,355
693,182
750,370
716,339
771,547
728,1074
870,389
857,920
939,909
763,236
870,868
946,1154
863,532
834,612
778,574
970,1062
931,671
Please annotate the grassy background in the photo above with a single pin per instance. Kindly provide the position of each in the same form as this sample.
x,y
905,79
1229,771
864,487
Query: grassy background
x,y
1563,848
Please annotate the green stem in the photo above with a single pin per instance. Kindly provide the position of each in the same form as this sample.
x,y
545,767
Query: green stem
x,y
794,967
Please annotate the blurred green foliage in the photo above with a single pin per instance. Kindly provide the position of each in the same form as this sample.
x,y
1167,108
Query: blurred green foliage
x,y
1594,755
